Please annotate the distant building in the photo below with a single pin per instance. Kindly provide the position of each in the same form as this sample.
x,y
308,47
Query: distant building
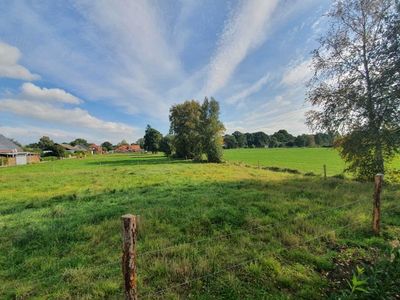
x,y
128,148
13,155
73,149
95,149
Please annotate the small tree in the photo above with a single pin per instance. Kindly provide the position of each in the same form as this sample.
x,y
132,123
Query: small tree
x,y
167,145
79,141
152,139
356,83
45,143
107,146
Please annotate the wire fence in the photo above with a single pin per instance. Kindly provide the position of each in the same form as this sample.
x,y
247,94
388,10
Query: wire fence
x,y
291,218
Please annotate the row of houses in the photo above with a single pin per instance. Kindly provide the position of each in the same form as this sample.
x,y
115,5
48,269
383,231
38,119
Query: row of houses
x,y
96,149
13,155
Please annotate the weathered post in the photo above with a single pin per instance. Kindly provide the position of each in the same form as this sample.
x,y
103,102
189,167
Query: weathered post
x,y
129,256
376,213
325,172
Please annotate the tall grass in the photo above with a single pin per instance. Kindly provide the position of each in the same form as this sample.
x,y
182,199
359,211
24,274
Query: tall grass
x,y
241,231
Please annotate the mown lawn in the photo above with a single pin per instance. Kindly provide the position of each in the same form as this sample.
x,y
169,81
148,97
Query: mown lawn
x,y
302,159
242,232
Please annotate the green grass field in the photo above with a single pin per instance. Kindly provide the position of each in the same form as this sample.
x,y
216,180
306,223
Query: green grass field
x,y
207,231
302,159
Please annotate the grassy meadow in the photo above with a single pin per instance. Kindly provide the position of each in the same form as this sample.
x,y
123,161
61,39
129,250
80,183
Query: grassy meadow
x,y
302,159
207,231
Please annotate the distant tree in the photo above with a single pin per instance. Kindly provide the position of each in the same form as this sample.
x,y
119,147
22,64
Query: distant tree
x,y
167,145
45,143
123,143
184,119
57,150
283,137
300,140
240,139
260,139
310,140
250,140
140,142
273,142
356,84
79,141
230,141
152,139
323,139
107,146
211,129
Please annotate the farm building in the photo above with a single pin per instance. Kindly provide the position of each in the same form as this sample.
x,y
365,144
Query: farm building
x,y
128,148
73,149
12,155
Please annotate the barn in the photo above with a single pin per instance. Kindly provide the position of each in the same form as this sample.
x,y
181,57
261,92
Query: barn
x,y
13,155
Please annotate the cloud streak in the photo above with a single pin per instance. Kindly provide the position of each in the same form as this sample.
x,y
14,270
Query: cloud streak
x,y
33,92
244,31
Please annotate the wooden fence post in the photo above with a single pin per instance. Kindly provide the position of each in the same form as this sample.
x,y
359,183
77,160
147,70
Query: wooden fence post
x,y
376,212
325,172
129,256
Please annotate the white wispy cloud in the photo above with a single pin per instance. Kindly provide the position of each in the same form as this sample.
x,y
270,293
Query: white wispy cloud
x,y
33,92
9,66
250,90
244,31
298,74
75,117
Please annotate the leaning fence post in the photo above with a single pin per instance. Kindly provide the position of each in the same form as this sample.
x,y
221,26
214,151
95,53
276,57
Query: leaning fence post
x,y
129,229
325,172
376,213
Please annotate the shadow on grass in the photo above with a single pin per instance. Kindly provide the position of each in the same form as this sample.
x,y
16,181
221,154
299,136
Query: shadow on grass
x,y
140,160
83,230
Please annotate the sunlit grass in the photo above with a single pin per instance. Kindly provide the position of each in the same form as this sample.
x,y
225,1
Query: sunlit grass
x,y
60,231
303,159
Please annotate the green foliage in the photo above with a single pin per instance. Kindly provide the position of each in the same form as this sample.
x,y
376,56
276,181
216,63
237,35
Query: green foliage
x,y
357,284
45,143
356,83
79,141
211,129
167,145
152,139
197,130
230,142
107,146
184,119
378,280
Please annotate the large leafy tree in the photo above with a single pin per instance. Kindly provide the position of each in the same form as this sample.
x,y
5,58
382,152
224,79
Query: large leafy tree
x,y
152,139
184,119
356,83
197,130
211,129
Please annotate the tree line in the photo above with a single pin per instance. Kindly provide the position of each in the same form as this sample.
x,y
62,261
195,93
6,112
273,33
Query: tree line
x,y
281,138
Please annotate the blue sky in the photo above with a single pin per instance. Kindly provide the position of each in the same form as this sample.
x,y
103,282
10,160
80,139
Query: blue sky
x,y
103,69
